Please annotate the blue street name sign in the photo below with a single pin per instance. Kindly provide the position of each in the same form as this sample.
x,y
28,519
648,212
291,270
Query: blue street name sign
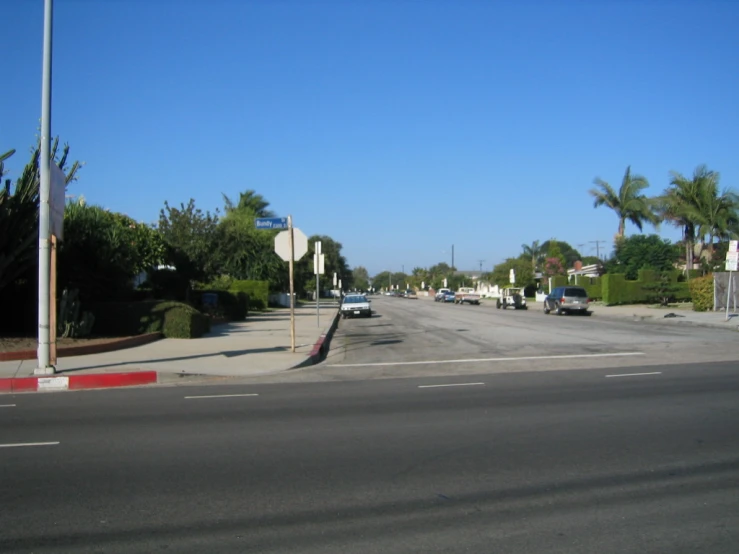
x,y
271,223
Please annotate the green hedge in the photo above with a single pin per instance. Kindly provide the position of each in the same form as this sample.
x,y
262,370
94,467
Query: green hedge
x,y
702,292
233,306
616,289
173,319
258,292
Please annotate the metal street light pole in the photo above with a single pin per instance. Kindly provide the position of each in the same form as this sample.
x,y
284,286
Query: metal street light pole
x,y
44,243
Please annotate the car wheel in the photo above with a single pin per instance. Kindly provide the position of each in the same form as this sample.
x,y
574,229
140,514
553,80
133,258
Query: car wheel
x,y
587,313
497,304
546,309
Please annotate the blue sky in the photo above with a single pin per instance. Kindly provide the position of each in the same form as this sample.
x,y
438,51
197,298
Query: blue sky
x,y
398,128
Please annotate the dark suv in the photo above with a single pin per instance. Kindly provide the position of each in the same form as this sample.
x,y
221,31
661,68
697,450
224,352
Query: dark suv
x,y
567,299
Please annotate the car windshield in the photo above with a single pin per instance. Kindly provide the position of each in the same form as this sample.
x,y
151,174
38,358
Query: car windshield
x,y
572,291
354,299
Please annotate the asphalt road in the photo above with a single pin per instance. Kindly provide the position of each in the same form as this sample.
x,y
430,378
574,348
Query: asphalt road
x,y
411,338
557,462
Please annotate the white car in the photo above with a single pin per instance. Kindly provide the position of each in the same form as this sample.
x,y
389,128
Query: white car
x,y
355,305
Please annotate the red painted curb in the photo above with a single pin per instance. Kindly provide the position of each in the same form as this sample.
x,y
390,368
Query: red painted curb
x,y
77,382
65,351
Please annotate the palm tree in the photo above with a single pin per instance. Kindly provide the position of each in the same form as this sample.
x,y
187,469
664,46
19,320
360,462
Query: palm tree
x,y
249,201
533,251
695,205
628,203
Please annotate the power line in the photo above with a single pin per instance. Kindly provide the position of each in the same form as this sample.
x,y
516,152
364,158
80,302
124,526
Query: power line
x,y
597,246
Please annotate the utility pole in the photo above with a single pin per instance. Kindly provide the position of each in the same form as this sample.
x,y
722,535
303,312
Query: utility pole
x,y
452,256
44,366
597,246
481,262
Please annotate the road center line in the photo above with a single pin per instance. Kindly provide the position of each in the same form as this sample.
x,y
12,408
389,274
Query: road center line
x,y
449,385
635,374
7,405
481,360
19,444
220,396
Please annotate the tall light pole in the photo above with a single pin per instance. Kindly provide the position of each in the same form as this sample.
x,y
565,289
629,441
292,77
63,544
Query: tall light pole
x,y
44,246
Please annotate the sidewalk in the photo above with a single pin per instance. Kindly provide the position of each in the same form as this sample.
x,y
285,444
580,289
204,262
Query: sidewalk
x,y
257,346
642,312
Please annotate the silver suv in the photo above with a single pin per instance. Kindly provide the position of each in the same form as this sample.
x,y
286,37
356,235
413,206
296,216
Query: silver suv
x,y
567,299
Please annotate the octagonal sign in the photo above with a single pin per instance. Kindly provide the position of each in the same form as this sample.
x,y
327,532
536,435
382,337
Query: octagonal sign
x,y
282,244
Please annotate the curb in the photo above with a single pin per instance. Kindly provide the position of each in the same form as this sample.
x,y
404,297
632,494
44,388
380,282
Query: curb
x,y
322,345
77,382
66,351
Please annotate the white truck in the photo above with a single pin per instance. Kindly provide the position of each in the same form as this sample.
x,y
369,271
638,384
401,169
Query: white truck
x,y
466,295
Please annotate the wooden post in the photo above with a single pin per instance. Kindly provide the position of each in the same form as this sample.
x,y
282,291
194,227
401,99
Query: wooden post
x,y
52,303
292,283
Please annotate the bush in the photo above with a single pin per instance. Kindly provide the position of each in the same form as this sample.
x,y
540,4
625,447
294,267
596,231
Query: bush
x,y
257,291
233,306
173,319
619,290
701,290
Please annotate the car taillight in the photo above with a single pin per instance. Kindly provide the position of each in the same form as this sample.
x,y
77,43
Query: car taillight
x,y
588,300
562,300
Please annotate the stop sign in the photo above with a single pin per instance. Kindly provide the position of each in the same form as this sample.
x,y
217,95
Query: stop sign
x,y
282,244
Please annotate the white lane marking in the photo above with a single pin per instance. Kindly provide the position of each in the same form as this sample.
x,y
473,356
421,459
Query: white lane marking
x,y
635,374
449,385
7,405
19,444
479,360
220,396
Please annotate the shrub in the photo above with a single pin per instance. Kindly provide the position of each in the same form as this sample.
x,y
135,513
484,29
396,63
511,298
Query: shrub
x,y
701,290
257,291
619,290
233,306
173,319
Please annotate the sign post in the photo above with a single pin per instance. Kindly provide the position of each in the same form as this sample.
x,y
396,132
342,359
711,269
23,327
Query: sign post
x,y
290,245
732,260
318,260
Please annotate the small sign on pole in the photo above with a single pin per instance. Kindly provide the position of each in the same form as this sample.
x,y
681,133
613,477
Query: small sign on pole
x,y
271,223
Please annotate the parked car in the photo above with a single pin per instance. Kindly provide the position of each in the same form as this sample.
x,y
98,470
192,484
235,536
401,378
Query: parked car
x,y
567,300
466,295
449,296
411,294
511,297
439,296
355,305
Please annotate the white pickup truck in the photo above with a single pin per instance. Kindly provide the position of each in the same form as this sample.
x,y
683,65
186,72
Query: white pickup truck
x,y
466,295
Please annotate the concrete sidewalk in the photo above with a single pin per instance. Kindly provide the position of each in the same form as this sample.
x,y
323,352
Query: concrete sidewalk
x,y
651,314
258,346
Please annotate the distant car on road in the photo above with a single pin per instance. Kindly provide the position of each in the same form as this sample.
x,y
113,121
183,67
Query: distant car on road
x,y
449,296
567,300
355,305
411,294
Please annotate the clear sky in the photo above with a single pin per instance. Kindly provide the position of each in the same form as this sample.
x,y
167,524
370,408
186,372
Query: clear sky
x,y
398,127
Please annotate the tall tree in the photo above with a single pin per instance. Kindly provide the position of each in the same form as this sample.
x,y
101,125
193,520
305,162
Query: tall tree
x,y
628,203
361,278
534,252
686,204
190,237
250,201
571,254
642,252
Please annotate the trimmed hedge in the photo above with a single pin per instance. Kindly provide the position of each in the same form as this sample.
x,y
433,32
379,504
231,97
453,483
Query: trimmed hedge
x,y
173,319
257,291
234,306
701,290
618,290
